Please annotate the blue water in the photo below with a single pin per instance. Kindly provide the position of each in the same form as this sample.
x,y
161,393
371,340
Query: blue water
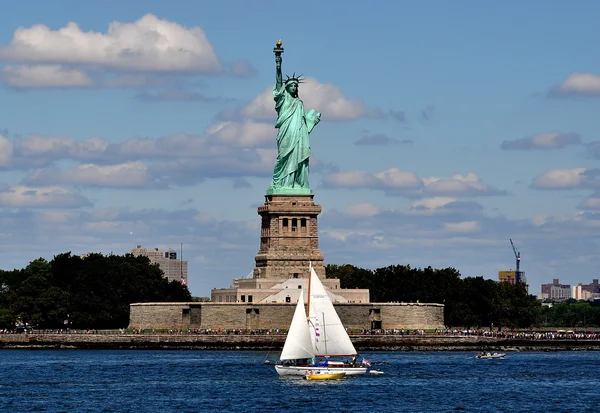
x,y
228,381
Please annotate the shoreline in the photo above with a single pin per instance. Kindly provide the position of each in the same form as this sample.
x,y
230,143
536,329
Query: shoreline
x,y
275,342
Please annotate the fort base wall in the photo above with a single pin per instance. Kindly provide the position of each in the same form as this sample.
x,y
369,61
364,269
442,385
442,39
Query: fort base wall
x,y
244,316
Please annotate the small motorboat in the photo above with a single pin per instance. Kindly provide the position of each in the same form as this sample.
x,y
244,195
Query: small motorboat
x,y
323,375
489,355
375,372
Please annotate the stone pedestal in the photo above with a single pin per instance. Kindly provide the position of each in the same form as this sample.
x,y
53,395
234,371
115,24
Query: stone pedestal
x,y
289,238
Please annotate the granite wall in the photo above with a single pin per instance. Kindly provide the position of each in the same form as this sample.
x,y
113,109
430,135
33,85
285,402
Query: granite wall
x,y
183,316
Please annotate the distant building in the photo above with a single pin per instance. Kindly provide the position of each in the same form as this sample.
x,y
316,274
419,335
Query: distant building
x,y
586,291
579,293
593,288
555,291
174,269
511,277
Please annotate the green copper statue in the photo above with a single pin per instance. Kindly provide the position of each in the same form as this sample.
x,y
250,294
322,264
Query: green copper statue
x,y
290,176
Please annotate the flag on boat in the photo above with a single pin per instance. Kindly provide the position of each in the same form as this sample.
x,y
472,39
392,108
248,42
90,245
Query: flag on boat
x,y
366,362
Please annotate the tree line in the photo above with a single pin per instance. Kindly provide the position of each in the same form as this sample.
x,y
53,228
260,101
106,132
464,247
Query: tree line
x,y
470,302
95,292
83,293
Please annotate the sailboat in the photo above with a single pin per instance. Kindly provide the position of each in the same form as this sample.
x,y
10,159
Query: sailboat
x,y
315,337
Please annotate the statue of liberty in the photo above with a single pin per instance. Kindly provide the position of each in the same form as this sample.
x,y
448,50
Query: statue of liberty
x,y
290,175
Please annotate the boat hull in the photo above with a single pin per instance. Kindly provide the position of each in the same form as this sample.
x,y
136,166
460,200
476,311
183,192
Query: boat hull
x,y
301,370
325,376
490,356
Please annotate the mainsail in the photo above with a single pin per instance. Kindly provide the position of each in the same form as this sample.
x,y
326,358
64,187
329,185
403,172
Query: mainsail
x,y
328,334
298,344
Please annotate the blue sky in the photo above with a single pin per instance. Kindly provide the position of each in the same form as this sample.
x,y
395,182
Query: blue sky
x,y
447,128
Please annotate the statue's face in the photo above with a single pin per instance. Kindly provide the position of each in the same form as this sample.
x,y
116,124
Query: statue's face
x,y
292,88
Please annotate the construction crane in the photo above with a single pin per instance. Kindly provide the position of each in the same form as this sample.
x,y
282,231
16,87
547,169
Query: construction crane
x,y
518,277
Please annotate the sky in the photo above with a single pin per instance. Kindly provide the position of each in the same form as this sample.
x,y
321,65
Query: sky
x,y
447,129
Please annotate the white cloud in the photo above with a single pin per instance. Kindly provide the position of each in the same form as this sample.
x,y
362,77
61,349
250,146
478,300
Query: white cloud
x,y
246,134
469,184
362,209
548,140
40,76
47,197
6,149
148,44
592,202
392,178
432,203
60,147
462,227
578,84
325,98
560,179
128,175
397,182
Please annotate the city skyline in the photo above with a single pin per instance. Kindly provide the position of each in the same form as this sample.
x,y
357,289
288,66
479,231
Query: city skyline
x,y
446,130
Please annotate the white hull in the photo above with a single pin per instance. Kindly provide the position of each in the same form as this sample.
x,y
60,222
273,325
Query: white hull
x,y
301,370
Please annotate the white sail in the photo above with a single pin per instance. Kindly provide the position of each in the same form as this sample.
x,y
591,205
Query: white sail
x,y
328,334
298,344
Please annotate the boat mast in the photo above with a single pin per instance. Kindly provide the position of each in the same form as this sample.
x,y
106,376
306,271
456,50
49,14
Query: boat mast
x,y
324,334
308,300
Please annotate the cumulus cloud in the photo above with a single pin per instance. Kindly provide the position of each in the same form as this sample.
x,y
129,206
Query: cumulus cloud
x,y
6,149
549,140
149,44
247,134
577,84
258,163
175,95
225,150
392,178
457,185
431,203
34,151
462,227
396,182
362,209
381,140
323,97
128,175
560,179
46,197
592,202
41,76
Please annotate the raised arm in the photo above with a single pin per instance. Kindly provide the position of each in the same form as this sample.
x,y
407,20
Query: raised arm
x,y
278,50
278,75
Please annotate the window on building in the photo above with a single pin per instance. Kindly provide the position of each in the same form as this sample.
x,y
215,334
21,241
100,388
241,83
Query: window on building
x,y
303,222
299,287
243,298
295,275
285,222
249,298
288,299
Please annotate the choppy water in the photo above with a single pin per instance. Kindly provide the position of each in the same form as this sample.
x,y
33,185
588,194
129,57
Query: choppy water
x,y
227,381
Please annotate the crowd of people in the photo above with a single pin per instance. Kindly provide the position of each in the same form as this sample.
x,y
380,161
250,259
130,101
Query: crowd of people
x,y
549,334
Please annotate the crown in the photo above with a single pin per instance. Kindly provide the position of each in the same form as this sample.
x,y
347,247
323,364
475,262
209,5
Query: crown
x,y
294,78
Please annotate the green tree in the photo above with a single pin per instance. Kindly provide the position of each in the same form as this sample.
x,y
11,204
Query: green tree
x,y
94,292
